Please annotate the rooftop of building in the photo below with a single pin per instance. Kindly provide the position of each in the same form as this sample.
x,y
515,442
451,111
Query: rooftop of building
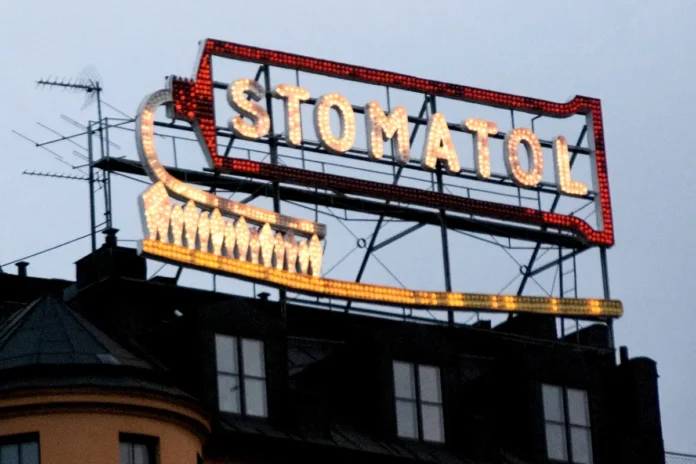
x,y
112,327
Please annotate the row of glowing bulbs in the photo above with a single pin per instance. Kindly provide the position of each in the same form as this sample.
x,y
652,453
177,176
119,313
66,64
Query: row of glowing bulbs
x,y
378,293
254,123
210,232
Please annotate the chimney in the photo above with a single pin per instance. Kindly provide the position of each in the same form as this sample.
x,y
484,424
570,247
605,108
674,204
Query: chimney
x,y
623,354
110,241
22,268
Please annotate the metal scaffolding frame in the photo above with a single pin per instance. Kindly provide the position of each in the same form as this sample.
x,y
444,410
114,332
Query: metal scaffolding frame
x,y
540,240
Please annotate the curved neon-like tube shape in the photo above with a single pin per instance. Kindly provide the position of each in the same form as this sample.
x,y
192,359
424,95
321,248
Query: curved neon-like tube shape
x,y
144,134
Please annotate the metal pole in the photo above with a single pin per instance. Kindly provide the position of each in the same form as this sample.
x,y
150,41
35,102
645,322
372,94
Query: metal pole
x,y
445,244
556,199
443,226
560,286
176,163
107,181
98,89
90,152
605,285
273,146
605,272
378,227
273,142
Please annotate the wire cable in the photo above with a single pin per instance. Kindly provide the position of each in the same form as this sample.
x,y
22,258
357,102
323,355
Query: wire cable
x,y
51,248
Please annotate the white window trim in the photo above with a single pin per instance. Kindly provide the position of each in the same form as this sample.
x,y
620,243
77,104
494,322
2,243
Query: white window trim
x,y
567,425
419,402
242,376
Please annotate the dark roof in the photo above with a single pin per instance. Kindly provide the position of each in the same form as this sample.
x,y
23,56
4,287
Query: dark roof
x,y
49,332
345,437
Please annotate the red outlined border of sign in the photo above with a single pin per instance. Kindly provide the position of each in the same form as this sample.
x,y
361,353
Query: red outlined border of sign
x,y
193,102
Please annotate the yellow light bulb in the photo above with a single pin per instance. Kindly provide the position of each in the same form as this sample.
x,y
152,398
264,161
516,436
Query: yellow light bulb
x,y
381,128
267,242
482,153
190,224
322,123
439,145
243,238
513,140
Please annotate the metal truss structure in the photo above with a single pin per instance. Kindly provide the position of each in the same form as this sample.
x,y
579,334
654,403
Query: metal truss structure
x,y
548,252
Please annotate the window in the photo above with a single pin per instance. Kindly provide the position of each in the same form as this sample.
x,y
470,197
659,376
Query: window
x,y
241,375
567,422
137,449
418,397
19,449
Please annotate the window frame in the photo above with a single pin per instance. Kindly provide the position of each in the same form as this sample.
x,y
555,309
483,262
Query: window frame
x,y
20,439
567,425
415,368
151,443
242,375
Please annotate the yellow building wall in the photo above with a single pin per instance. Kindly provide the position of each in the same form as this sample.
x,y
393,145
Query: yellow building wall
x,y
79,429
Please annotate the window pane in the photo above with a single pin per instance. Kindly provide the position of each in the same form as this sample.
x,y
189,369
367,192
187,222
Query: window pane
x,y
406,421
125,453
556,442
252,352
429,378
30,453
9,454
578,410
228,393
553,403
140,454
433,426
255,396
404,384
226,353
581,443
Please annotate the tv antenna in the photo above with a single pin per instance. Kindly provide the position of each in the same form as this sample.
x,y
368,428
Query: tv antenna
x,y
89,82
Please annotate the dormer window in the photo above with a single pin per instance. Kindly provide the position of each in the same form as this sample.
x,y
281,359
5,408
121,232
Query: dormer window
x,y
418,397
241,375
567,423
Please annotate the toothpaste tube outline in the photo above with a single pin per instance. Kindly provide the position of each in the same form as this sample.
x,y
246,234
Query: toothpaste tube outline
x,y
207,201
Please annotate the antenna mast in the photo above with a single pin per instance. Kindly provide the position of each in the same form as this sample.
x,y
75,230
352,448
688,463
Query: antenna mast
x,y
90,83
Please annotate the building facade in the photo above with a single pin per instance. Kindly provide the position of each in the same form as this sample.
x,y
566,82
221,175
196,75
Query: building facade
x,y
115,368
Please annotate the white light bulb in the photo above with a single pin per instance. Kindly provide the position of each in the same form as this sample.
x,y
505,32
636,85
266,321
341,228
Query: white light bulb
x,y
482,153
230,238
315,255
267,241
261,122
513,140
190,224
438,145
303,256
217,231
292,95
322,123
381,128
243,237
562,170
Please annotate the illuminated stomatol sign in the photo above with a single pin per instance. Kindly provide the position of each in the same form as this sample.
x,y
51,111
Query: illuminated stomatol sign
x,y
212,233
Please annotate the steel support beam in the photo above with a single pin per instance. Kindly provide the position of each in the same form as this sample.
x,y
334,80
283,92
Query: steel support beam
x,y
380,221
554,205
454,222
555,262
362,155
92,218
396,237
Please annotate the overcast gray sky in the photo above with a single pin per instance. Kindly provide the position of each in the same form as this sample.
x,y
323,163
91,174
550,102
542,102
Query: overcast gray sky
x,y
637,57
